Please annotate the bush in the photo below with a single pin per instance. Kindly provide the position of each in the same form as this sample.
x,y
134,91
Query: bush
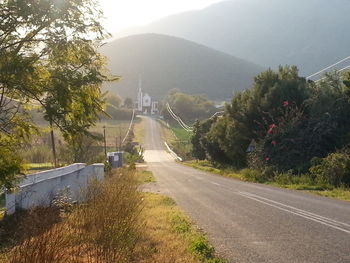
x,y
333,169
82,149
304,180
253,175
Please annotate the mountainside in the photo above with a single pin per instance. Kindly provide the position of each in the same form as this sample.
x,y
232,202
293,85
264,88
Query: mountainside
x,y
166,63
311,34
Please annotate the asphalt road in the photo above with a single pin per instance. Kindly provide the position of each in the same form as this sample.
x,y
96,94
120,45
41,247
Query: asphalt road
x,y
249,222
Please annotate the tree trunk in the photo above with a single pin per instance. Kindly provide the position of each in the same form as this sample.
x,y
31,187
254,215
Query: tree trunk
x,y
53,145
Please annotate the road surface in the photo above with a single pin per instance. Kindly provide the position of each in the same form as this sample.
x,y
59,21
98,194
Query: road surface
x,y
249,222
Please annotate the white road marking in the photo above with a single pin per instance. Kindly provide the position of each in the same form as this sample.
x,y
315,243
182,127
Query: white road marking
x,y
299,212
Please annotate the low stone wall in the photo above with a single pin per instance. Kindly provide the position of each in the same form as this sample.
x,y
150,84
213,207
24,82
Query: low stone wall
x,y
41,188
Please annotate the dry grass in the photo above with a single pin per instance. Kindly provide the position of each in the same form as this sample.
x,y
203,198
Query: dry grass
x,y
169,235
166,133
139,130
116,224
115,130
104,229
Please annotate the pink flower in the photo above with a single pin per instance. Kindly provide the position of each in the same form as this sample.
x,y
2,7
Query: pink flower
x,y
271,127
267,159
285,103
274,143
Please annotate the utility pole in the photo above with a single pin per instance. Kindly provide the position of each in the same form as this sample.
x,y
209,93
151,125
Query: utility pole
x,y
120,138
116,142
104,140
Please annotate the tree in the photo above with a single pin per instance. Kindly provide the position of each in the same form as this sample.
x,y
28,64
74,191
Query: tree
x,y
190,107
128,103
114,100
48,55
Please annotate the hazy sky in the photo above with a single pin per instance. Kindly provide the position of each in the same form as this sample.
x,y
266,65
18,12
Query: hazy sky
x,y
121,14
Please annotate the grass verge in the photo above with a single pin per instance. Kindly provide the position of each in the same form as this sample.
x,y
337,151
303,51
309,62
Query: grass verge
x,y
170,236
177,138
117,223
139,130
301,183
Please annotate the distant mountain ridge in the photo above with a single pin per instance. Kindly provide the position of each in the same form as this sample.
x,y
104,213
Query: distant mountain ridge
x,y
166,63
311,34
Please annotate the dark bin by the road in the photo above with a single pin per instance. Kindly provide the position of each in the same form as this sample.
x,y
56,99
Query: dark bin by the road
x,y
115,159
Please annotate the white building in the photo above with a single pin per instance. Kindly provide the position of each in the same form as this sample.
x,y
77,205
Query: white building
x,y
145,104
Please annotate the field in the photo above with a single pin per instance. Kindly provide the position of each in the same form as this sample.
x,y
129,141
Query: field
x,y
115,131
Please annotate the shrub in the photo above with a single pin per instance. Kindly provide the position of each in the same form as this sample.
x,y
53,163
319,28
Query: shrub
x,y
253,175
82,149
333,169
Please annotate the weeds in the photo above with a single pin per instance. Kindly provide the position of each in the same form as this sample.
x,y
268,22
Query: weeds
x,y
170,236
306,182
104,229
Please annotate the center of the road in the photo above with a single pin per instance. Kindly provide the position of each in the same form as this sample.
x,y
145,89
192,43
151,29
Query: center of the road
x,y
295,211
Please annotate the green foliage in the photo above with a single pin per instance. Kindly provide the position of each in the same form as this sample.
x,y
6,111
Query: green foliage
x,y
49,58
198,139
37,154
285,120
82,148
116,113
206,252
251,175
333,169
10,167
189,107
114,100
180,224
128,103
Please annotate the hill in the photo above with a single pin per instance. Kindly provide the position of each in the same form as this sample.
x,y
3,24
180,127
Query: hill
x,y
166,63
310,34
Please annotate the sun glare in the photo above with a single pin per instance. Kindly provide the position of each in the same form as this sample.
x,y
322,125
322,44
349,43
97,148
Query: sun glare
x,y
122,14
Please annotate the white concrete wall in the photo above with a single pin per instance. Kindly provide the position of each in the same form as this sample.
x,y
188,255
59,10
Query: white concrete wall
x,y
41,188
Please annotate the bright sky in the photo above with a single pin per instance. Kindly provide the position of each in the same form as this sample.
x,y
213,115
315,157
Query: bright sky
x,y
121,14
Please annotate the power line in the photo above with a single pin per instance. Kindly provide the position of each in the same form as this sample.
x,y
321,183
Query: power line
x,y
331,66
178,119
130,125
183,124
175,117
340,70
216,114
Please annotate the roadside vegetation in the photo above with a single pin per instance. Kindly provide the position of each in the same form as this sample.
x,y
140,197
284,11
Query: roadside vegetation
x,y
117,223
170,236
285,131
49,63
189,108
290,181
99,230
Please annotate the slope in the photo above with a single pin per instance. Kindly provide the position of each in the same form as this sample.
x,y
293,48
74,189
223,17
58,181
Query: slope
x,y
310,34
166,63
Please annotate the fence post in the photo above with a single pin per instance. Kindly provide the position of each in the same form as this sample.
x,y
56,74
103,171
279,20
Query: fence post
x,y
10,203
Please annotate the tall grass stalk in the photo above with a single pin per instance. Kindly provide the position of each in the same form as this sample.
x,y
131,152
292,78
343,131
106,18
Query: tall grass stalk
x,y
104,229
